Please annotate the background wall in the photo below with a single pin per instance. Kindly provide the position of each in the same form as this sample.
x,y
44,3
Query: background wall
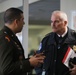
x,y
36,33
68,6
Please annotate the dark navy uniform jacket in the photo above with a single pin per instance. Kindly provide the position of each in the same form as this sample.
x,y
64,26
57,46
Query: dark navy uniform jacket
x,y
53,62
12,60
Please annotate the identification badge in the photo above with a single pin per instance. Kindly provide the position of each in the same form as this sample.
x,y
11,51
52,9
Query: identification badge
x,y
74,48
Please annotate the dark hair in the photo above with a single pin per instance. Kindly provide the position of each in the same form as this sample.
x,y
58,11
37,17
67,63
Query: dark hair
x,y
11,14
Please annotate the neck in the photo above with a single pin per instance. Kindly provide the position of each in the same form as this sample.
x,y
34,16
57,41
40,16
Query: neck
x,y
11,27
62,31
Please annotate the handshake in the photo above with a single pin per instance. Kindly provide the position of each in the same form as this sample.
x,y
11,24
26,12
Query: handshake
x,y
37,59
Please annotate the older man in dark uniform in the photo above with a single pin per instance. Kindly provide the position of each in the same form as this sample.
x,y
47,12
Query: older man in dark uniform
x,y
12,60
55,46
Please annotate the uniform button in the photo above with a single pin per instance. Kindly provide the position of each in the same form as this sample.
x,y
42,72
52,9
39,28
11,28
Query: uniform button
x,y
5,32
54,60
58,46
12,35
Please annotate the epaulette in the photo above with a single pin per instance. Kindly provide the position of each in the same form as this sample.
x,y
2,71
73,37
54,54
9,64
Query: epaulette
x,y
48,34
74,33
7,37
73,30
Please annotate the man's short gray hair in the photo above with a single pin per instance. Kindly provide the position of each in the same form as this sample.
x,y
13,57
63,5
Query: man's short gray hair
x,y
63,15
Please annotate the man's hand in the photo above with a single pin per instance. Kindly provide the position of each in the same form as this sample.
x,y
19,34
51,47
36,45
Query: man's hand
x,y
37,59
73,70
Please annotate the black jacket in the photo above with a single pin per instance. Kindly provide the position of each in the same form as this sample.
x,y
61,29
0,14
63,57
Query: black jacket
x,y
53,62
12,60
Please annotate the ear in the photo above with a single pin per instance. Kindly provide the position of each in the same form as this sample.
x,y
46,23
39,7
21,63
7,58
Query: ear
x,y
15,22
65,22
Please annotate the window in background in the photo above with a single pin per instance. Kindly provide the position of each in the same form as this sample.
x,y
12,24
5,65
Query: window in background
x,y
73,20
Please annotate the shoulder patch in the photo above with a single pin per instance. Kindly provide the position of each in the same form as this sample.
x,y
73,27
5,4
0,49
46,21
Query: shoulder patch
x,y
40,46
7,38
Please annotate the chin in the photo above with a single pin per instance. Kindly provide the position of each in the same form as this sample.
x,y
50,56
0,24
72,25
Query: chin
x,y
18,31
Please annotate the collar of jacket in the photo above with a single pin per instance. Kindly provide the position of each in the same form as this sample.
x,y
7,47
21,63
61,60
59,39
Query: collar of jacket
x,y
70,38
8,31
